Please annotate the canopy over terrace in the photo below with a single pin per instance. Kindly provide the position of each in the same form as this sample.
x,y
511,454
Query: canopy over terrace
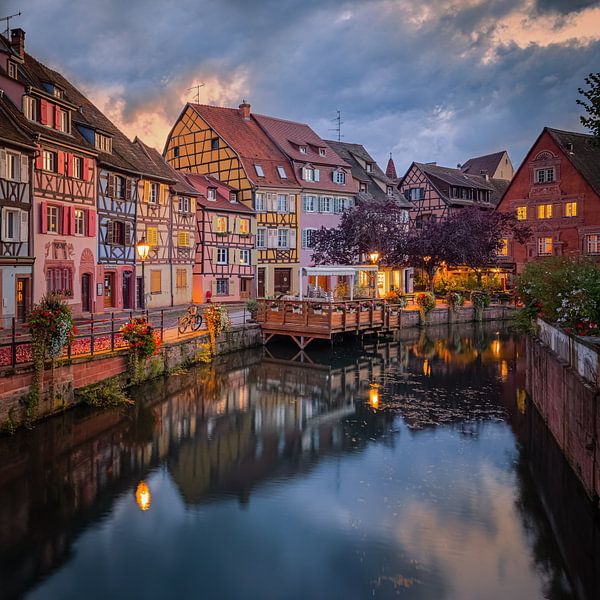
x,y
337,271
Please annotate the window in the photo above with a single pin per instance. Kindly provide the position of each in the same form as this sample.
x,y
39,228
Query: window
x,y
259,170
183,239
544,175
63,121
11,231
571,209
341,204
244,226
592,243
282,173
232,196
103,142
302,149
116,234
416,194
282,203
49,161
310,174
152,236
261,237
52,213
153,195
283,238
308,203
30,108
259,202
503,251
60,280
339,177
369,167
214,144
221,225
544,211
307,237
78,167
184,204
12,69
222,287
325,204
13,166
321,151
79,218
521,213
181,278
222,256
244,256
363,188
57,92
544,246
175,151
155,282
390,190
211,193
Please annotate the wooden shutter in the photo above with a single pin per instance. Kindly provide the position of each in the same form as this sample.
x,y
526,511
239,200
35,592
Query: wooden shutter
x,y
214,256
232,256
155,282
193,206
91,222
44,217
127,188
231,287
253,256
292,203
24,226
110,232
146,194
127,234
3,165
24,168
304,238
271,238
43,112
292,238
64,221
70,159
253,226
213,287
56,117
163,194
3,222
152,236
60,162
110,185
39,161
317,175
71,219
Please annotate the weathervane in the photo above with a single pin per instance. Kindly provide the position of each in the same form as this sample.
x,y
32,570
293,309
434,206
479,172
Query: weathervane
x,y
197,88
7,19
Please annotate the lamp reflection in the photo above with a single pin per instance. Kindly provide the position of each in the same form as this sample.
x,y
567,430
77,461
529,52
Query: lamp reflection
x,y
142,496
374,395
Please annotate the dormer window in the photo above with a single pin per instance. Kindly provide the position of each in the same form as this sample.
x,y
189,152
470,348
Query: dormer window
x,y
321,151
259,170
12,69
363,188
63,121
30,108
281,171
232,196
302,149
103,142
211,194
310,174
58,93
369,167
339,177
390,190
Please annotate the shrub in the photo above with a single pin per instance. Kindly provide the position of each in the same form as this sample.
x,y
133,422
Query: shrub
x,y
397,297
106,394
252,306
425,302
480,299
143,339
455,300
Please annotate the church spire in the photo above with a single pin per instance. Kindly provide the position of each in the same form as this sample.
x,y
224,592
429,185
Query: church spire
x,y
390,170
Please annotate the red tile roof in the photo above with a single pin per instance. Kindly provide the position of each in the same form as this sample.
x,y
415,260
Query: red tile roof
x,y
201,183
251,144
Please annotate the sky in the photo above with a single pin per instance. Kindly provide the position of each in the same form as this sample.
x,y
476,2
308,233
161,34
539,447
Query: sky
x,y
427,80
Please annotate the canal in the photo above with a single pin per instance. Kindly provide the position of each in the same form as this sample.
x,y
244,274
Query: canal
x,y
414,468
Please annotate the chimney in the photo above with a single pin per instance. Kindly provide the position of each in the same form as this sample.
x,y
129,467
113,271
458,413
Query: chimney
x,y
17,41
245,110
485,174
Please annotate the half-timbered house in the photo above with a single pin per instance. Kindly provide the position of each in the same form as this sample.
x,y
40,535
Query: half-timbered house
x,y
229,145
16,250
556,192
225,262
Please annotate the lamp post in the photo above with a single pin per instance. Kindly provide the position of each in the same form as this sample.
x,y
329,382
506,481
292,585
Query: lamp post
x,y
143,249
374,257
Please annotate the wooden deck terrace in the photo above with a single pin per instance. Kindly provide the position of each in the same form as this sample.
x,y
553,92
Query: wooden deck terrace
x,y
307,320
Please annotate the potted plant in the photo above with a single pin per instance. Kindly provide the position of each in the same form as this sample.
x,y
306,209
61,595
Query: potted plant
x,y
455,300
426,303
480,300
252,308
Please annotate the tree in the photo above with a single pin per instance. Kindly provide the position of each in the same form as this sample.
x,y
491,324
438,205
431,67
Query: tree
x,y
591,104
369,226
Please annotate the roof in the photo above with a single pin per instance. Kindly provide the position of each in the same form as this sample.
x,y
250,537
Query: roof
x,y
251,144
455,176
390,170
201,183
288,135
158,166
486,164
10,129
580,149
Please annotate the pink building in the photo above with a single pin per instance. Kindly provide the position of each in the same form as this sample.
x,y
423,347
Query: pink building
x,y
225,255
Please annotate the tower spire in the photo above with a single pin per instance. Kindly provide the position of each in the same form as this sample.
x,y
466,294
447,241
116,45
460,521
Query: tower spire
x,y
390,170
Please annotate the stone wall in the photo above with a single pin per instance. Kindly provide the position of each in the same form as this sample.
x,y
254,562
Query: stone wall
x,y
80,372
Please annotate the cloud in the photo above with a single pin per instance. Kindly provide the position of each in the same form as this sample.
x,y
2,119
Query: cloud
x,y
429,80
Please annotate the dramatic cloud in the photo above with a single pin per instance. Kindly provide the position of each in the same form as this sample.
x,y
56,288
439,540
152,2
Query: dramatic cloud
x,y
428,80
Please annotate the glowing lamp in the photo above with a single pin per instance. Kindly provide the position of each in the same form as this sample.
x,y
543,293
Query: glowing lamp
x,y
374,256
374,395
143,249
142,495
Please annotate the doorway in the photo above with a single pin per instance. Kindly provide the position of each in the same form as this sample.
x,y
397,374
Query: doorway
x,y
261,282
127,277
86,287
22,298
282,280
109,289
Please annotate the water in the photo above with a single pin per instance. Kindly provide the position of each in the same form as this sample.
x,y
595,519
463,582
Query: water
x,y
400,470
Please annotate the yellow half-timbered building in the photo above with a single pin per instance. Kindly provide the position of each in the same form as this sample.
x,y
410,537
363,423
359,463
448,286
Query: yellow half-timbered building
x,y
230,146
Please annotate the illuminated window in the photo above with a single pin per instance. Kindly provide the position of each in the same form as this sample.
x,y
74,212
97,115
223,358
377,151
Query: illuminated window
x,y
152,236
544,211
544,246
592,243
221,225
244,257
79,222
52,213
522,213
571,209
503,251
244,225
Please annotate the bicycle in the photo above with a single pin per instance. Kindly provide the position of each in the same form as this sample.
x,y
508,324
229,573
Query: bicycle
x,y
192,319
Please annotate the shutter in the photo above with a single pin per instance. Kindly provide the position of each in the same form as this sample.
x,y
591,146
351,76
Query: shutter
x,y
43,112
91,222
271,238
304,202
71,220
39,161
253,257
70,160
232,256
24,226
231,291
110,234
193,206
236,225
320,203
317,174
60,162
63,220
56,117
214,256
164,193
3,222
43,217
127,188
213,287
271,202
292,238
110,185
253,226
214,224
3,170
146,194
292,203
304,238
127,234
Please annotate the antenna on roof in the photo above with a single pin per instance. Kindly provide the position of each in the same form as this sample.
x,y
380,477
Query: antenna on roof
x,y
338,125
7,19
197,94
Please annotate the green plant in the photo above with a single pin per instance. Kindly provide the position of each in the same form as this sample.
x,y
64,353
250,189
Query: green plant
x,y
397,297
480,299
252,307
425,301
455,300
144,342
203,354
106,394
217,321
9,425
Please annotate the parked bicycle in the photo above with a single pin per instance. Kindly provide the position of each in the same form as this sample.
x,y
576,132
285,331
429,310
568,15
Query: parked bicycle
x,y
192,319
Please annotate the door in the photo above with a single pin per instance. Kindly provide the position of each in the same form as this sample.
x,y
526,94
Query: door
x,y
86,284
127,277
261,282
109,289
282,280
22,298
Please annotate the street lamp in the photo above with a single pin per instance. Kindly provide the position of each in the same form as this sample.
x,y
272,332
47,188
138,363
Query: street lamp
x,y
143,249
374,256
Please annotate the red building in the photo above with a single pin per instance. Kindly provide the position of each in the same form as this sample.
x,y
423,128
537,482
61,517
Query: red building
x,y
556,190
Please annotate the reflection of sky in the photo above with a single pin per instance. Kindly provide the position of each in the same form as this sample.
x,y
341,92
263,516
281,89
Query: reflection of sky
x,y
427,515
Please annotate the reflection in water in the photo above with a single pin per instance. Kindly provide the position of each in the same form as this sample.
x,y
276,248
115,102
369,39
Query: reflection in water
x,y
390,469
